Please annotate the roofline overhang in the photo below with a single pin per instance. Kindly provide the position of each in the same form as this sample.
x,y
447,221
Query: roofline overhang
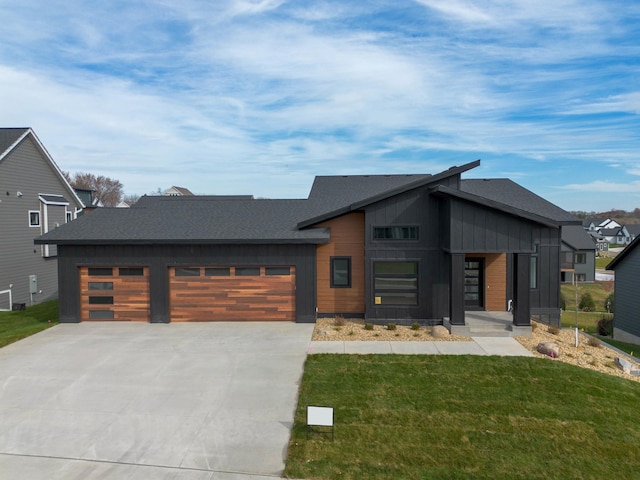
x,y
389,193
56,169
102,241
614,263
442,191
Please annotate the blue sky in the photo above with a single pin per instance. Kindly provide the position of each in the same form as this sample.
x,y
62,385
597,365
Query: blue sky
x,y
258,97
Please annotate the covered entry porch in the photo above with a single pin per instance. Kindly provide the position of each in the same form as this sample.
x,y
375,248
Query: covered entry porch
x,y
489,294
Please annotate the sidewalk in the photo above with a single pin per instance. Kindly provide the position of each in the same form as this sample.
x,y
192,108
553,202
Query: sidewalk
x,y
502,346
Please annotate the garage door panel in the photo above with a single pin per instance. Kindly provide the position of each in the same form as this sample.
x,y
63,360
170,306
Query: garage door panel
x,y
130,294
232,298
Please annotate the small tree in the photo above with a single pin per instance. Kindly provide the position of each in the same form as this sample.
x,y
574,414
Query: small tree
x,y
586,303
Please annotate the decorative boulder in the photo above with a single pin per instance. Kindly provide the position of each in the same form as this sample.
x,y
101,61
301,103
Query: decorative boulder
x,y
439,331
549,348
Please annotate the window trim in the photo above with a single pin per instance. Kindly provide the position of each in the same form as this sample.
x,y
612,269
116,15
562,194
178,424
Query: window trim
x,y
332,268
415,228
378,291
34,225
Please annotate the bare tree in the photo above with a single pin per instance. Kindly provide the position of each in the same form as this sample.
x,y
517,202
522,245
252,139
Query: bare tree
x,y
107,190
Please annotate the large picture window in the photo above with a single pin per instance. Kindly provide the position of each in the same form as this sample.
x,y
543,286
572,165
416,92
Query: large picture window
x,y
395,283
395,233
340,272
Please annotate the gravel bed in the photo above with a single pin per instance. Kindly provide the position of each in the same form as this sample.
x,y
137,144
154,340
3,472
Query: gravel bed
x,y
599,358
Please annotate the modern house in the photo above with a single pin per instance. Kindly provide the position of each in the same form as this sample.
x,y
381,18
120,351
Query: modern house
x,y
35,199
626,322
578,255
401,248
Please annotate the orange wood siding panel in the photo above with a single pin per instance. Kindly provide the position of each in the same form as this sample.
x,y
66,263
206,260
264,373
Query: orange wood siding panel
x,y
232,298
495,281
130,296
347,240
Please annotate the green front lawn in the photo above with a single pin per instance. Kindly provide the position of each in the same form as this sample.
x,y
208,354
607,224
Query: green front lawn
x,y
437,417
15,326
629,348
602,262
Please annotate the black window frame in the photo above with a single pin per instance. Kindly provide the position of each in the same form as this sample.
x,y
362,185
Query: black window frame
x,y
187,271
389,233
100,286
580,256
379,292
101,300
217,271
100,271
249,271
332,278
131,271
277,271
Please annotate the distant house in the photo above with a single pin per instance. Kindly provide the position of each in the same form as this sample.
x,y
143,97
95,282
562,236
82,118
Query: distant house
x,y
634,231
386,248
594,224
35,198
177,192
626,323
578,255
617,235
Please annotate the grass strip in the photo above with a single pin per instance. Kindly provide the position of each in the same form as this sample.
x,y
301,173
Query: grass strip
x,y
400,416
17,325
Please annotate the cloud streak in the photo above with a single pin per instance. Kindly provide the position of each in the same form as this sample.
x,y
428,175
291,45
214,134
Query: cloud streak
x,y
259,96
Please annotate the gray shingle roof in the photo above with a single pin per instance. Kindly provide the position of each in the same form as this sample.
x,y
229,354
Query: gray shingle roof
x,y
191,220
507,192
9,136
577,238
235,219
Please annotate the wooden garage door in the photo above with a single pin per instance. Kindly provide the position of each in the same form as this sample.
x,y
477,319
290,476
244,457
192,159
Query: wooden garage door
x,y
204,294
114,293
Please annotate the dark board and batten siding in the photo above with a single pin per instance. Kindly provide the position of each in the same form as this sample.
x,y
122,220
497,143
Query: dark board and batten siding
x,y
159,259
627,298
452,227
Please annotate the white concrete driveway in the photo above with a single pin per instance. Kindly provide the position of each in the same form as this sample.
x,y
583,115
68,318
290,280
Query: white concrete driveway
x,y
132,400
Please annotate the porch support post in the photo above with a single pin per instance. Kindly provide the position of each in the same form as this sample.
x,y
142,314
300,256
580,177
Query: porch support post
x,y
456,289
521,290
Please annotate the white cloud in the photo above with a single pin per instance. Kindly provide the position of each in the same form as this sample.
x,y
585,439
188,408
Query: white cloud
x,y
602,186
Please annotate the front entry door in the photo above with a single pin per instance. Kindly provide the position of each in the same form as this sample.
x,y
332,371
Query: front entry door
x,y
474,283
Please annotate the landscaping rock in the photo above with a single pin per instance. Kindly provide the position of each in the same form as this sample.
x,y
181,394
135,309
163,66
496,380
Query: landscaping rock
x,y
327,332
440,331
549,348
626,366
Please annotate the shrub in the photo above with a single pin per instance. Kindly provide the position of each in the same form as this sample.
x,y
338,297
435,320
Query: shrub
x,y
586,303
415,326
605,326
339,321
593,342
351,332
552,329
391,326
608,303
563,302
368,326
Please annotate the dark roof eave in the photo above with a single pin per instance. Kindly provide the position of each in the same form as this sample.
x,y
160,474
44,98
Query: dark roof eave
x,y
614,263
441,190
389,193
207,241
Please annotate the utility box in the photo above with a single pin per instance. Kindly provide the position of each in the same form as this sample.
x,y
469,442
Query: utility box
x,y
33,284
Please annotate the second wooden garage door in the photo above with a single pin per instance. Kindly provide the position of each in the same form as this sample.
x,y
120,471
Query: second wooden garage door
x,y
205,294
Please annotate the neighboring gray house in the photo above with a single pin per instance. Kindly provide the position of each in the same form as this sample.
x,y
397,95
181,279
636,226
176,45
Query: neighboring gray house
x,y
35,198
578,255
626,322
